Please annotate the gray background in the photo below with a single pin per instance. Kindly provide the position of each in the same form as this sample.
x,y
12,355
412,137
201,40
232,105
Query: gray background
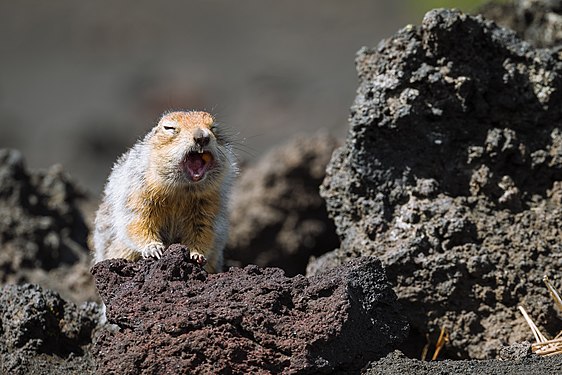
x,y
82,80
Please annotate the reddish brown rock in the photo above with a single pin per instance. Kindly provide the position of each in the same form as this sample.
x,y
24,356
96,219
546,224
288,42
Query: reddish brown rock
x,y
174,318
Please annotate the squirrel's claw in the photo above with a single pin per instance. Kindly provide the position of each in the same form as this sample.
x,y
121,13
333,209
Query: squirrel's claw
x,y
198,258
153,250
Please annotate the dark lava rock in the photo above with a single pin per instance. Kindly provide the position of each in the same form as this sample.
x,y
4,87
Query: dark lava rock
x,y
451,175
40,333
278,218
398,364
42,232
174,318
537,21
516,351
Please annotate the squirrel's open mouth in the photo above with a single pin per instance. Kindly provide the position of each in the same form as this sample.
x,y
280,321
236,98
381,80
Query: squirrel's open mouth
x,y
197,164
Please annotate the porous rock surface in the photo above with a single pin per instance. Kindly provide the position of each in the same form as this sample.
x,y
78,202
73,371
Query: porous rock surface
x,y
537,21
396,363
451,175
40,333
42,231
175,318
278,218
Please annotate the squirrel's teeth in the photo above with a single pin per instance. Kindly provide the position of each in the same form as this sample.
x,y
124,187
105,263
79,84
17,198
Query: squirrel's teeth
x,y
206,157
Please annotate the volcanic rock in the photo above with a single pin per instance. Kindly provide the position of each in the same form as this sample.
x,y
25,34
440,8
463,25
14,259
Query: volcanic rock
x,y
175,318
451,175
40,333
398,364
278,218
539,22
42,231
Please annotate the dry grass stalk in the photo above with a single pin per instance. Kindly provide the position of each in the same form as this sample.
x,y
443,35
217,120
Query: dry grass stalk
x,y
441,341
539,337
543,346
553,292
443,338
551,349
547,342
425,348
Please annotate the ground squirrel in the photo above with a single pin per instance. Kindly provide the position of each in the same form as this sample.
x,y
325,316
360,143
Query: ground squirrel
x,y
170,187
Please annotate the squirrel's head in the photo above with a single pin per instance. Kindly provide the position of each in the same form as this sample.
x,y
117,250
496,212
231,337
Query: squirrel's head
x,y
188,148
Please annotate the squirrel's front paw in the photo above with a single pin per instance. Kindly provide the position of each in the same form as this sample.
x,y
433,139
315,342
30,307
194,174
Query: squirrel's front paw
x,y
198,258
153,250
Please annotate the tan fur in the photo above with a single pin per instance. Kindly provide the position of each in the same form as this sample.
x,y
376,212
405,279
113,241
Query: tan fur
x,y
163,204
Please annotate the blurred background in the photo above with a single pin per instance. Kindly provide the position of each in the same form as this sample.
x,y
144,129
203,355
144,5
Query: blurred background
x,y
80,82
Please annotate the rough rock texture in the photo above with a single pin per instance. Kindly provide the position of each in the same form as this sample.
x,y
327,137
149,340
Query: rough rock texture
x,y
40,333
42,232
174,318
278,217
398,364
537,21
451,175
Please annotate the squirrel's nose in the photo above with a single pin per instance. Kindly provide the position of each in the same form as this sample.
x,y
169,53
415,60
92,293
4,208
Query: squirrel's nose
x,y
201,137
